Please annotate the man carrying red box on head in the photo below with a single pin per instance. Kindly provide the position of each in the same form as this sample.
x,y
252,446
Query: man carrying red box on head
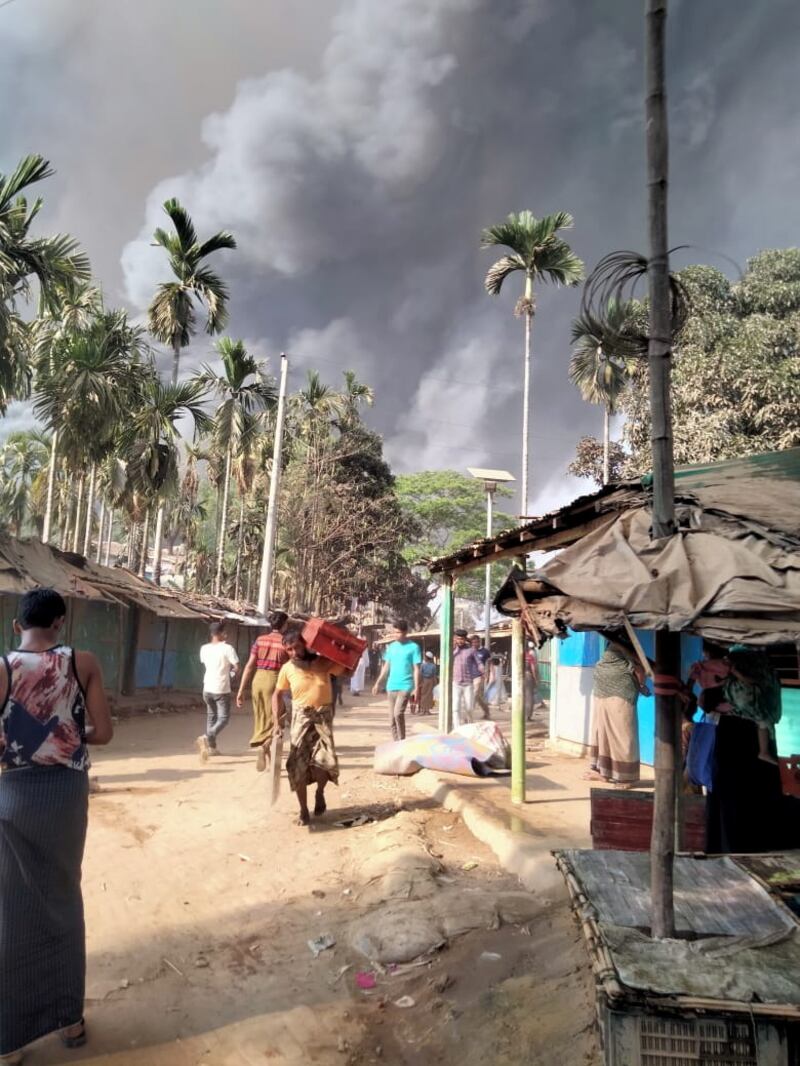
x,y
312,754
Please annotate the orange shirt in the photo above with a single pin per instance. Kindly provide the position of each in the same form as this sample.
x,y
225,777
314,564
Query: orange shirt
x,y
310,686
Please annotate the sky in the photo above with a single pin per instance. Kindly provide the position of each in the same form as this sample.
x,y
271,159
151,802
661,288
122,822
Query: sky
x,y
357,148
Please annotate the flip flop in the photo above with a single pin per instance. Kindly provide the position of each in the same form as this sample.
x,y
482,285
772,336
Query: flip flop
x,y
78,1040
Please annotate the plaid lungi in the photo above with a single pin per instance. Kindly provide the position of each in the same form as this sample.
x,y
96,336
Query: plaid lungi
x,y
312,746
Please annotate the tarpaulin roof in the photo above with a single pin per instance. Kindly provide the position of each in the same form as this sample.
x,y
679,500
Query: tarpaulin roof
x,y
731,572
737,483
26,564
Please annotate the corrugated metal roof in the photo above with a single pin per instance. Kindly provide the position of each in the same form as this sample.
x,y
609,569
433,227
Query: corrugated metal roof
x,y
26,564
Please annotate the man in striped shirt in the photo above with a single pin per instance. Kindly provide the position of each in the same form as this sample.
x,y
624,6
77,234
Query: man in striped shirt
x,y
466,669
267,656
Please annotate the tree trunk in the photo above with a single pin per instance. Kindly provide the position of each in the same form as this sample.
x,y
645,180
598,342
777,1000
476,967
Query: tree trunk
x,y
67,524
223,524
176,359
76,533
158,545
659,364
145,538
240,548
107,559
51,487
526,390
101,529
606,445
87,536
249,593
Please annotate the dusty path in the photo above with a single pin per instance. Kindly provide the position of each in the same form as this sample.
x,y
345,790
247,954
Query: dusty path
x,y
201,899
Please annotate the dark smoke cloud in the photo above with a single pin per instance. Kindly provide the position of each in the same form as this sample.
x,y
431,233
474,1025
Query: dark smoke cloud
x,y
358,163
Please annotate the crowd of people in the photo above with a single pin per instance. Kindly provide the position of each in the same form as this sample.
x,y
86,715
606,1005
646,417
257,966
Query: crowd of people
x,y
738,693
53,706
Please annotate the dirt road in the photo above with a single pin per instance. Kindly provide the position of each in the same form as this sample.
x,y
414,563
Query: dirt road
x,y
201,900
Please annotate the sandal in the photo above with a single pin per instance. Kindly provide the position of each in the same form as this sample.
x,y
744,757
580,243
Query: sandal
x,y
593,775
304,818
76,1039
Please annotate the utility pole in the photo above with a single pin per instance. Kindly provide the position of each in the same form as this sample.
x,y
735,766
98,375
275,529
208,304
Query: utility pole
x,y
662,845
487,606
490,479
271,527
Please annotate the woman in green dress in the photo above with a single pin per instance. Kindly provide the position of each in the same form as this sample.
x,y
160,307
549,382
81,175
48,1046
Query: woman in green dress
x,y
614,738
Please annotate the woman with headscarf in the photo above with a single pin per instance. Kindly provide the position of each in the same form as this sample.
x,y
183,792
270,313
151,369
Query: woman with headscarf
x,y
614,741
745,809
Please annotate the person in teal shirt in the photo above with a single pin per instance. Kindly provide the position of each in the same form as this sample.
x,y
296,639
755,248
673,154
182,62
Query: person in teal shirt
x,y
401,673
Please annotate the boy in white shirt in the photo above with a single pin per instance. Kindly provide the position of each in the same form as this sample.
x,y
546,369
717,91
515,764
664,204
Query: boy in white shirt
x,y
221,663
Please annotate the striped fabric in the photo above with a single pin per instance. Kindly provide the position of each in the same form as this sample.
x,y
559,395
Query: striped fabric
x,y
269,651
43,813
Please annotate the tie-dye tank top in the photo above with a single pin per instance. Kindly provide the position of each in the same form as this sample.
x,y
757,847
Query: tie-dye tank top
x,y
43,720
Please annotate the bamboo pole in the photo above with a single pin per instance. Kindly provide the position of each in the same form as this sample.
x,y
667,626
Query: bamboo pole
x,y
517,711
446,657
662,847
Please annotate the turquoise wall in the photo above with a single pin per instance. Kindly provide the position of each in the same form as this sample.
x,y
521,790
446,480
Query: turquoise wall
x,y
584,649
166,650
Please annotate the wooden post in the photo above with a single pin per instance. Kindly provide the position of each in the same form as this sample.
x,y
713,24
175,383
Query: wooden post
x,y
163,655
660,343
659,365
131,648
662,843
517,711
446,658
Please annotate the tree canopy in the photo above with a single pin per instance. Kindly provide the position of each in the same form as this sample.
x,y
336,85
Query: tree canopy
x,y
450,510
736,369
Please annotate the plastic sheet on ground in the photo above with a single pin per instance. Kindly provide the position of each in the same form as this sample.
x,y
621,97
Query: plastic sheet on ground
x,y
475,750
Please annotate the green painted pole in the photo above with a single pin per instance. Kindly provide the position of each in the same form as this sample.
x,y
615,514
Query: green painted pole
x,y
517,712
446,658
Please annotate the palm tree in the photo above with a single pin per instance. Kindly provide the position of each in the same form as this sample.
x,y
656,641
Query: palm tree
x,y
598,368
83,379
149,440
535,249
23,458
171,315
244,392
52,261
354,396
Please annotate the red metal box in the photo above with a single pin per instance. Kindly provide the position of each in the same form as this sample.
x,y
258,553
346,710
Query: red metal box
x,y
334,643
